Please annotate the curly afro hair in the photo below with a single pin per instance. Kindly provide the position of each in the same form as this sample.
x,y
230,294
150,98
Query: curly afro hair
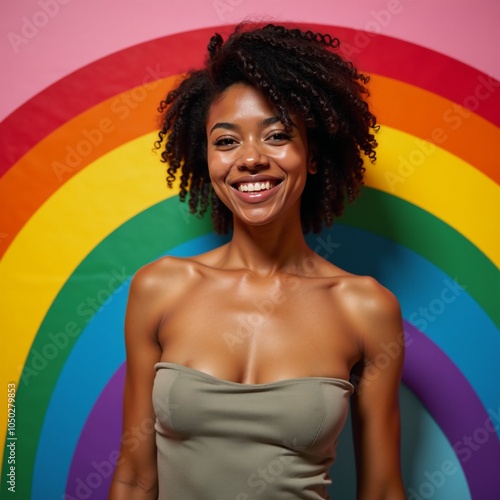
x,y
301,74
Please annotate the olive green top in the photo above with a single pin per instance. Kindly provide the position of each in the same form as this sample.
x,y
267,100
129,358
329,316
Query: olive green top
x,y
221,440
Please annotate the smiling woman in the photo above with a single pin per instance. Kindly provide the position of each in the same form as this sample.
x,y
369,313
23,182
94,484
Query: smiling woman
x,y
271,136
299,74
257,168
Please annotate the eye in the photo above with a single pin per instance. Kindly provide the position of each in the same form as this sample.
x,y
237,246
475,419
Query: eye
x,y
280,136
224,142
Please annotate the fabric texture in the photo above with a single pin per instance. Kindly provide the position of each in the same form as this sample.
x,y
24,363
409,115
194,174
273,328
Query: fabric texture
x,y
222,440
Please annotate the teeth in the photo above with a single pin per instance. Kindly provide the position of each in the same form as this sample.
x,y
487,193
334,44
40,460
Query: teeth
x,y
256,186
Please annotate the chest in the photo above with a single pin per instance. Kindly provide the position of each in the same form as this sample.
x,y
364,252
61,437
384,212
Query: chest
x,y
297,326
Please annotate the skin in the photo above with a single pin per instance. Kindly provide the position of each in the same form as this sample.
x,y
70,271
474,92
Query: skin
x,y
309,317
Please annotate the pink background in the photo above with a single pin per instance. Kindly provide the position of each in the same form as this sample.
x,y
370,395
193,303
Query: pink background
x,y
76,32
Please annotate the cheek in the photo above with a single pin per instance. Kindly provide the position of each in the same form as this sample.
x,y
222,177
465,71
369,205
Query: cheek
x,y
217,166
294,161
291,156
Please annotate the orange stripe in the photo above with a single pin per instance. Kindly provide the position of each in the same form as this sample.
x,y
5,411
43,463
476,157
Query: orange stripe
x,y
69,149
65,152
437,120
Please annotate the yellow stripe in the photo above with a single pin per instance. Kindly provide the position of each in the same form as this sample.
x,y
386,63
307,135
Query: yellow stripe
x,y
65,229
440,183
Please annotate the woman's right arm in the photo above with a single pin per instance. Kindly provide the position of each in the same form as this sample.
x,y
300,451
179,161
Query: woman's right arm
x,y
136,475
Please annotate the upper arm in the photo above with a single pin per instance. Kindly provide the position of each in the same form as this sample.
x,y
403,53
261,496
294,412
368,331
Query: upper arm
x,y
375,403
136,469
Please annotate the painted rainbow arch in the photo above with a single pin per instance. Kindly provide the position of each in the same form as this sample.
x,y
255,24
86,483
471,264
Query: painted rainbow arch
x,y
84,206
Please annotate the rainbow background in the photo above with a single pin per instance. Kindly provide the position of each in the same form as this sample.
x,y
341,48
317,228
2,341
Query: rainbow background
x,y
84,205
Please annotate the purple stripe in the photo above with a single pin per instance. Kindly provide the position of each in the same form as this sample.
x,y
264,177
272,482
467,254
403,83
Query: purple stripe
x,y
458,411
428,372
91,469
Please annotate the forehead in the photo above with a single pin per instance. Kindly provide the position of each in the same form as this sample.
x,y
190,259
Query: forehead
x,y
240,101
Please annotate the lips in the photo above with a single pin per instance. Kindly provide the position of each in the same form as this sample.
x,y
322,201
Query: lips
x,y
256,189
255,186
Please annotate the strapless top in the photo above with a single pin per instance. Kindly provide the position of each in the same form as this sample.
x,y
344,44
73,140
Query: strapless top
x,y
222,440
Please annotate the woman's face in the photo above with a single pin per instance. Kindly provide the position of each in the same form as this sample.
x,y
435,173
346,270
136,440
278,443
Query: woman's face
x,y
257,169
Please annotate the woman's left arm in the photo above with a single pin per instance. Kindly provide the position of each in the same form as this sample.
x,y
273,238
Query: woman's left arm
x,y
375,402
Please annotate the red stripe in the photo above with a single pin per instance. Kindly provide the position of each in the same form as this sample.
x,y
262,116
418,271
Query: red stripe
x,y
177,53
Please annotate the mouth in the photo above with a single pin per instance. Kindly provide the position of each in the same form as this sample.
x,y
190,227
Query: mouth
x,y
256,190
253,187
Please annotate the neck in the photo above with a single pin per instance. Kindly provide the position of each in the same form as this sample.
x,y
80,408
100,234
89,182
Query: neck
x,y
267,249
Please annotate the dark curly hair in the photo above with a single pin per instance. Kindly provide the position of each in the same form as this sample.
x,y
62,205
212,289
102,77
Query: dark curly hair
x,y
301,74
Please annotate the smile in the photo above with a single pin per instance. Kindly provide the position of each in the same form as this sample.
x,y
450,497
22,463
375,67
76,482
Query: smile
x,y
256,191
255,186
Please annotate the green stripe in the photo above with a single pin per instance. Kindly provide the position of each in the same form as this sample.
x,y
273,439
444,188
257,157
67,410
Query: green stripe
x,y
428,236
166,225
138,241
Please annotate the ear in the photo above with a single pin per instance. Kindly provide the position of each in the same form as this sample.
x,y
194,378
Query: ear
x,y
311,161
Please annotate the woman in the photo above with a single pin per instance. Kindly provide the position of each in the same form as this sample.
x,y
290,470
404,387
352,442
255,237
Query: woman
x,y
248,349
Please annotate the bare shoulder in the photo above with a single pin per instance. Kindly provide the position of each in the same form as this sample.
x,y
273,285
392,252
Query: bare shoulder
x,y
163,274
176,269
368,295
372,309
155,291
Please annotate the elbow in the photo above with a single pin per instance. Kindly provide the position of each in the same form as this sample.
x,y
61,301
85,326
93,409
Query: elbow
x,y
389,492
133,486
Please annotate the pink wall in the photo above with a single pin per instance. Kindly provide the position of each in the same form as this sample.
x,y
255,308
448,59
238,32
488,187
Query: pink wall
x,y
44,40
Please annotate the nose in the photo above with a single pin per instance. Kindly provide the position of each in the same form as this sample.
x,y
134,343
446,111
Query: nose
x,y
251,158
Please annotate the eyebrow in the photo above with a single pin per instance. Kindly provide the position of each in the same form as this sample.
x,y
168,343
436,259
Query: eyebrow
x,y
232,126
